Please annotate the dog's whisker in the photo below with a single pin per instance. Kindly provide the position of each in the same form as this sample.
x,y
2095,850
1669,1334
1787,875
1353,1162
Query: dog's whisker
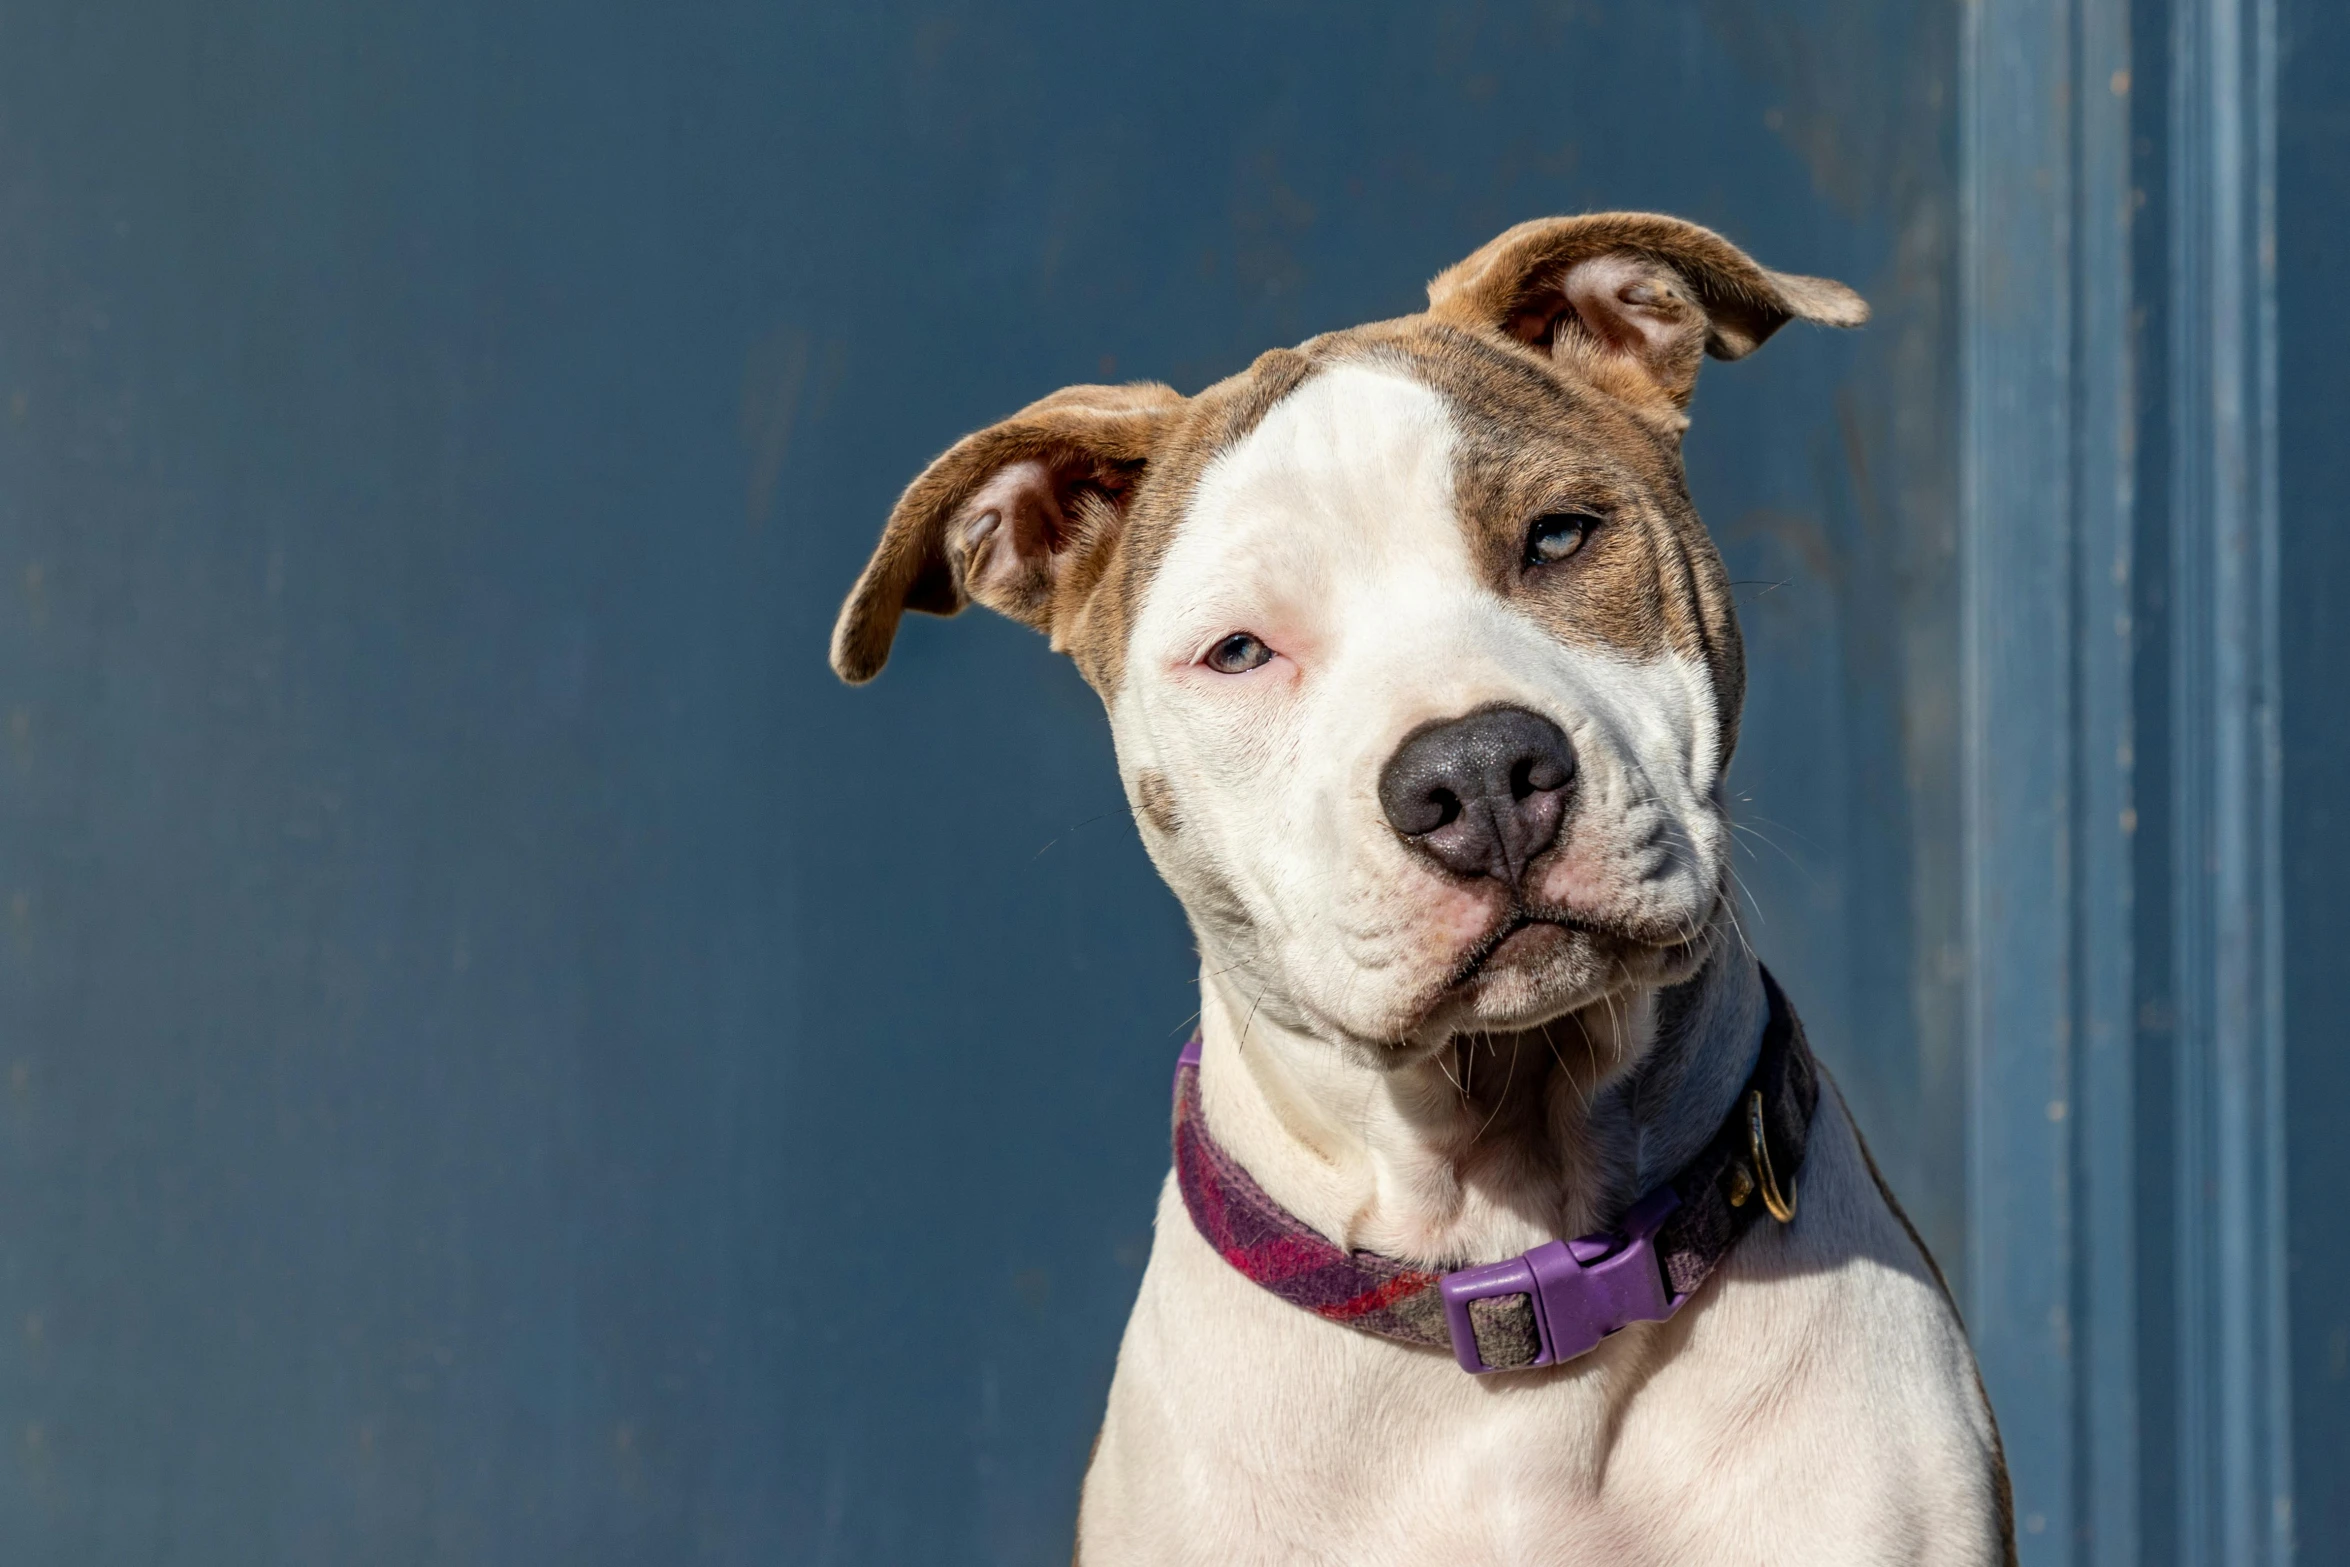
x,y
1444,1065
1757,833
1503,1097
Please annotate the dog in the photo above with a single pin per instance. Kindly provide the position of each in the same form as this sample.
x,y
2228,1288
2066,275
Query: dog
x,y
1423,677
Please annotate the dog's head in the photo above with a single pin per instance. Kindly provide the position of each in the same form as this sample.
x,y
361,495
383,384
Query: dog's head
x,y
1422,670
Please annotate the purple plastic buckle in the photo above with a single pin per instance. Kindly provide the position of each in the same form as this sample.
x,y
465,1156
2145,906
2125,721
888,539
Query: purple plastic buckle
x,y
1582,1290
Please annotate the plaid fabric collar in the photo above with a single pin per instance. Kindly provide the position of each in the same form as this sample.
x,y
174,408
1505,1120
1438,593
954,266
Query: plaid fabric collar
x,y
1558,1300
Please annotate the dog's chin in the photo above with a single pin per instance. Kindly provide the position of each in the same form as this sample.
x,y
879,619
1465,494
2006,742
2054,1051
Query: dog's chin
x,y
1540,970
1528,968
1535,971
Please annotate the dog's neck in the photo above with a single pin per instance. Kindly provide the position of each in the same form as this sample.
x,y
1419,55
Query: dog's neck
x,y
1497,1142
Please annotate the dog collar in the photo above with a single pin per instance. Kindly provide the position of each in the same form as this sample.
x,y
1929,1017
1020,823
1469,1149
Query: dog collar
x,y
1558,1300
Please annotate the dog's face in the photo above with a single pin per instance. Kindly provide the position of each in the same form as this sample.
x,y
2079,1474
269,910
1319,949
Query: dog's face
x,y
1422,670
1426,701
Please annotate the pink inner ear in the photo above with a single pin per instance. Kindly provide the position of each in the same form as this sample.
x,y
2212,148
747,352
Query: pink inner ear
x,y
1631,306
1012,523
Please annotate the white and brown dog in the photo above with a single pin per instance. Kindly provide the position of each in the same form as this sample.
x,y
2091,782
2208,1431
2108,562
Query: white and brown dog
x,y
1424,676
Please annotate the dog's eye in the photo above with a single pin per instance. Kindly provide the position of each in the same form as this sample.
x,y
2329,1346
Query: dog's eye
x,y
1237,654
1551,539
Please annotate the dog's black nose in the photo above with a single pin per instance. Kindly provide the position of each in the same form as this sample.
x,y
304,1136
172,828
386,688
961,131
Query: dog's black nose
x,y
1481,795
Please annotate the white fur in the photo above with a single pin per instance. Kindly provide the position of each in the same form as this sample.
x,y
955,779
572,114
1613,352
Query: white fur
x,y
1816,1403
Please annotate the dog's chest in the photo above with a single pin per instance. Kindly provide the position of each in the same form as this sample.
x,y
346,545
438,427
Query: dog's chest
x,y
1823,1410
1341,1447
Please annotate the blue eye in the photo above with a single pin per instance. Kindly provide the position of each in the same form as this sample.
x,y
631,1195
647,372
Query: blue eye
x,y
1237,654
1553,538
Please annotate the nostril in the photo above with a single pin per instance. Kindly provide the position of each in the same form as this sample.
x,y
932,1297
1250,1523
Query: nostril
x,y
1448,807
1538,774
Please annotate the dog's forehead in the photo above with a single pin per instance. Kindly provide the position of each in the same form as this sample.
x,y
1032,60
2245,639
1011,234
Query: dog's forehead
x,y
1353,468
1397,461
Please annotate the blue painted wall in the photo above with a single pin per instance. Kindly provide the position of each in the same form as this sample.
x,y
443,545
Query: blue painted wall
x,y
2313,273
501,1059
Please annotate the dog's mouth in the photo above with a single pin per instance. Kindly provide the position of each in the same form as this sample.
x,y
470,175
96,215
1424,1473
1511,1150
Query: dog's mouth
x,y
1558,959
1521,938
1532,933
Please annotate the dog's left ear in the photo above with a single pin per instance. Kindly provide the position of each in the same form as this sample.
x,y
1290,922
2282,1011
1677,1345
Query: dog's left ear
x,y
1632,299
1021,517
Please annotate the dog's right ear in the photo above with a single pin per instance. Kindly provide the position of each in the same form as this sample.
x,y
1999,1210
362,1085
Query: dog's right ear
x,y
1019,517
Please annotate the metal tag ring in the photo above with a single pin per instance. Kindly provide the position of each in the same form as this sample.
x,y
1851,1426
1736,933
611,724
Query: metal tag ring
x,y
1781,1205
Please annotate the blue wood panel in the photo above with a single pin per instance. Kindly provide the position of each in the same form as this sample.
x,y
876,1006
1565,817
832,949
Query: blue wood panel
x,y
2020,740
2224,1158
2051,748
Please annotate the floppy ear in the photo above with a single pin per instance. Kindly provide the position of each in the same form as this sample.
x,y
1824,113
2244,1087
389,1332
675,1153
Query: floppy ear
x,y
1632,299
1019,517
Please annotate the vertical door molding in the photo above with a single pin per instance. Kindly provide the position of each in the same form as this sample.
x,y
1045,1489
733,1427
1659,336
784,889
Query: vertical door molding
x,y
2047,471
2017,720
2104,1113
2233,1446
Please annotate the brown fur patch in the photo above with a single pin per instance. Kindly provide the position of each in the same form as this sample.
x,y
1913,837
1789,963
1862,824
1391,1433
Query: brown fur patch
x,y
1157,797
1536,439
